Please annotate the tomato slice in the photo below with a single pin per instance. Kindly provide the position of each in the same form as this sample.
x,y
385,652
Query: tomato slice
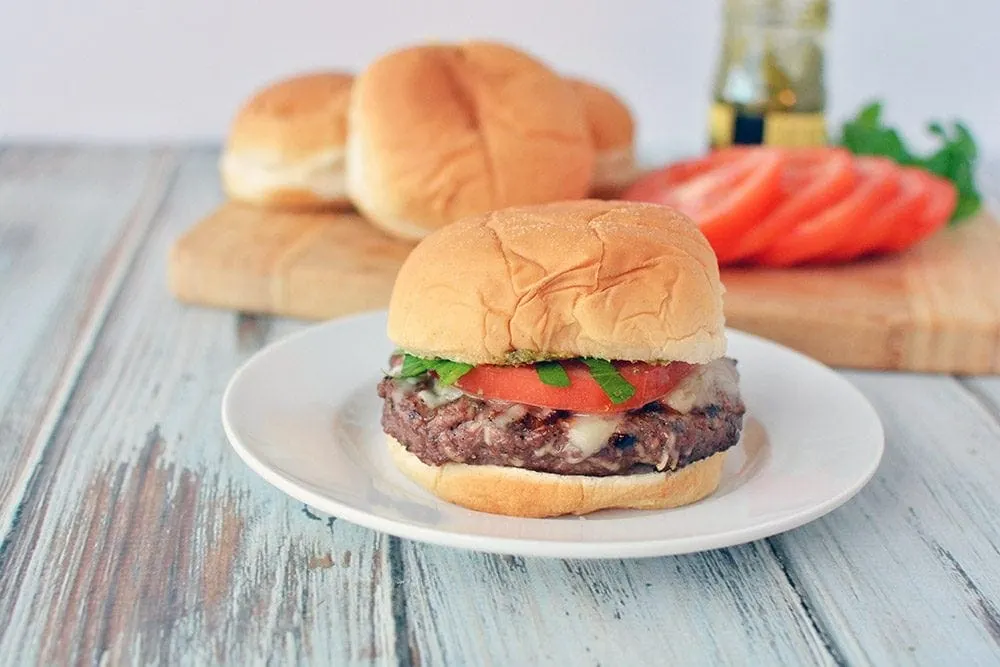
x,y
653,184
812,180
521,384
895,214
725,195
939,204
817,236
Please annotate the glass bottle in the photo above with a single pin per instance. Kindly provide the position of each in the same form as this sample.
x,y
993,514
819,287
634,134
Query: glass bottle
x,y
769,87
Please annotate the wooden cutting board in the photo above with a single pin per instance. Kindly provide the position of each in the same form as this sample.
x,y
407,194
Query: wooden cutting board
x,y
935,308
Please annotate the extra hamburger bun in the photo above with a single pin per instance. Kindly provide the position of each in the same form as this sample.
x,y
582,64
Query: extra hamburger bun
x,y
441,132
526,493
285,147
612,132
608,279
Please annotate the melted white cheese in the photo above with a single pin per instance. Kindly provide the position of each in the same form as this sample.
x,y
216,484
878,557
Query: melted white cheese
x,y
667,450
511,415
404,387
439,394
589,433
702,386
496,424
545,450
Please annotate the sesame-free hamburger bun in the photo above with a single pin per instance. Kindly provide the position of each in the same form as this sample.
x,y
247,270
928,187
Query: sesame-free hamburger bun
x,y
588,278
612,131
440,132
634,284
285,147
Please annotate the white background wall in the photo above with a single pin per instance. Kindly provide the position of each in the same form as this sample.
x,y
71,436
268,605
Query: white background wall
x,y
132,70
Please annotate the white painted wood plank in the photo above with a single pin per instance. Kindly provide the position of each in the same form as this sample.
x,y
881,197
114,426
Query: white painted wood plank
x,y
986,389
144,539
909,570
719,608
70,223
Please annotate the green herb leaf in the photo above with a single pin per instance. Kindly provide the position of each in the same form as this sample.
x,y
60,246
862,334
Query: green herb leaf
x,y
871,115
552,373
413,366
610,380
448,372
953,160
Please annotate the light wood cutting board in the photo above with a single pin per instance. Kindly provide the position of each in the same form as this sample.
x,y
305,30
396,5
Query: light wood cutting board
x,y
935,308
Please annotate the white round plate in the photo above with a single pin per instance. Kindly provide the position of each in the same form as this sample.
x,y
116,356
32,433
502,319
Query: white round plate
x,y
303,414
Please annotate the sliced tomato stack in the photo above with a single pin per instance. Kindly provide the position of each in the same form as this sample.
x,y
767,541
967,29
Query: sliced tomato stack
x,y
812,180
726,192
786,207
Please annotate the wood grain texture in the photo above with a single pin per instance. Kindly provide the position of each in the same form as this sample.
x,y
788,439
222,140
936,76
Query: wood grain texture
x,y
143,539
930,309
986,390
907,572
726,607
935,308
296,264
70,224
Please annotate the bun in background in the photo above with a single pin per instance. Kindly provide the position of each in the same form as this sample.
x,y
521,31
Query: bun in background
x,y
612,131
440,132
286,145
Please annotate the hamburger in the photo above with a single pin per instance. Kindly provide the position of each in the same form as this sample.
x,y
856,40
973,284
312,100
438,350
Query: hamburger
x,y
285,147
561,359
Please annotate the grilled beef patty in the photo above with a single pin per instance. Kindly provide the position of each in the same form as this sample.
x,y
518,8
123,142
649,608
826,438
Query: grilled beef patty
x,y
443,425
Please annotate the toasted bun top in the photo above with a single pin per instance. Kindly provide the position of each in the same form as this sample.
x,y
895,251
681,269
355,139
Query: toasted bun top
x,y
606,279
296,117
609,118
448,130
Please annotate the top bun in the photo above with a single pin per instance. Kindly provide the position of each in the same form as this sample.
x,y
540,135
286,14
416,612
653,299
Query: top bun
x,y
612,131
441,132
605,279
286,144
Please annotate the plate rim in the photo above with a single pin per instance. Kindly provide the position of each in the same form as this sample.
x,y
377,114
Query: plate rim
x,y
529,547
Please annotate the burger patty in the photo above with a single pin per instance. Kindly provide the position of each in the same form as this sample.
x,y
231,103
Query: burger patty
x,y
464,429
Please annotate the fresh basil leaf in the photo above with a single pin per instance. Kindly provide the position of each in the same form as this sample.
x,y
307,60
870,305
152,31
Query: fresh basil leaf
x,y
552,373
966,206
965,142
414,366
448,372
870,115
610,380
954,159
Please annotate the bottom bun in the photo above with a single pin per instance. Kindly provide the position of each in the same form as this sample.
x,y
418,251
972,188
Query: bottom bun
x,y
273,181
526,493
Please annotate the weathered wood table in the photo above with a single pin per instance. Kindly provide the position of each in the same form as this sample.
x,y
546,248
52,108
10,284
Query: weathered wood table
x,y
132,534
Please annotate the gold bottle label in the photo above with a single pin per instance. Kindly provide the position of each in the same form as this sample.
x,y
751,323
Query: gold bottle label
x,y
721,124
794,129
780,128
